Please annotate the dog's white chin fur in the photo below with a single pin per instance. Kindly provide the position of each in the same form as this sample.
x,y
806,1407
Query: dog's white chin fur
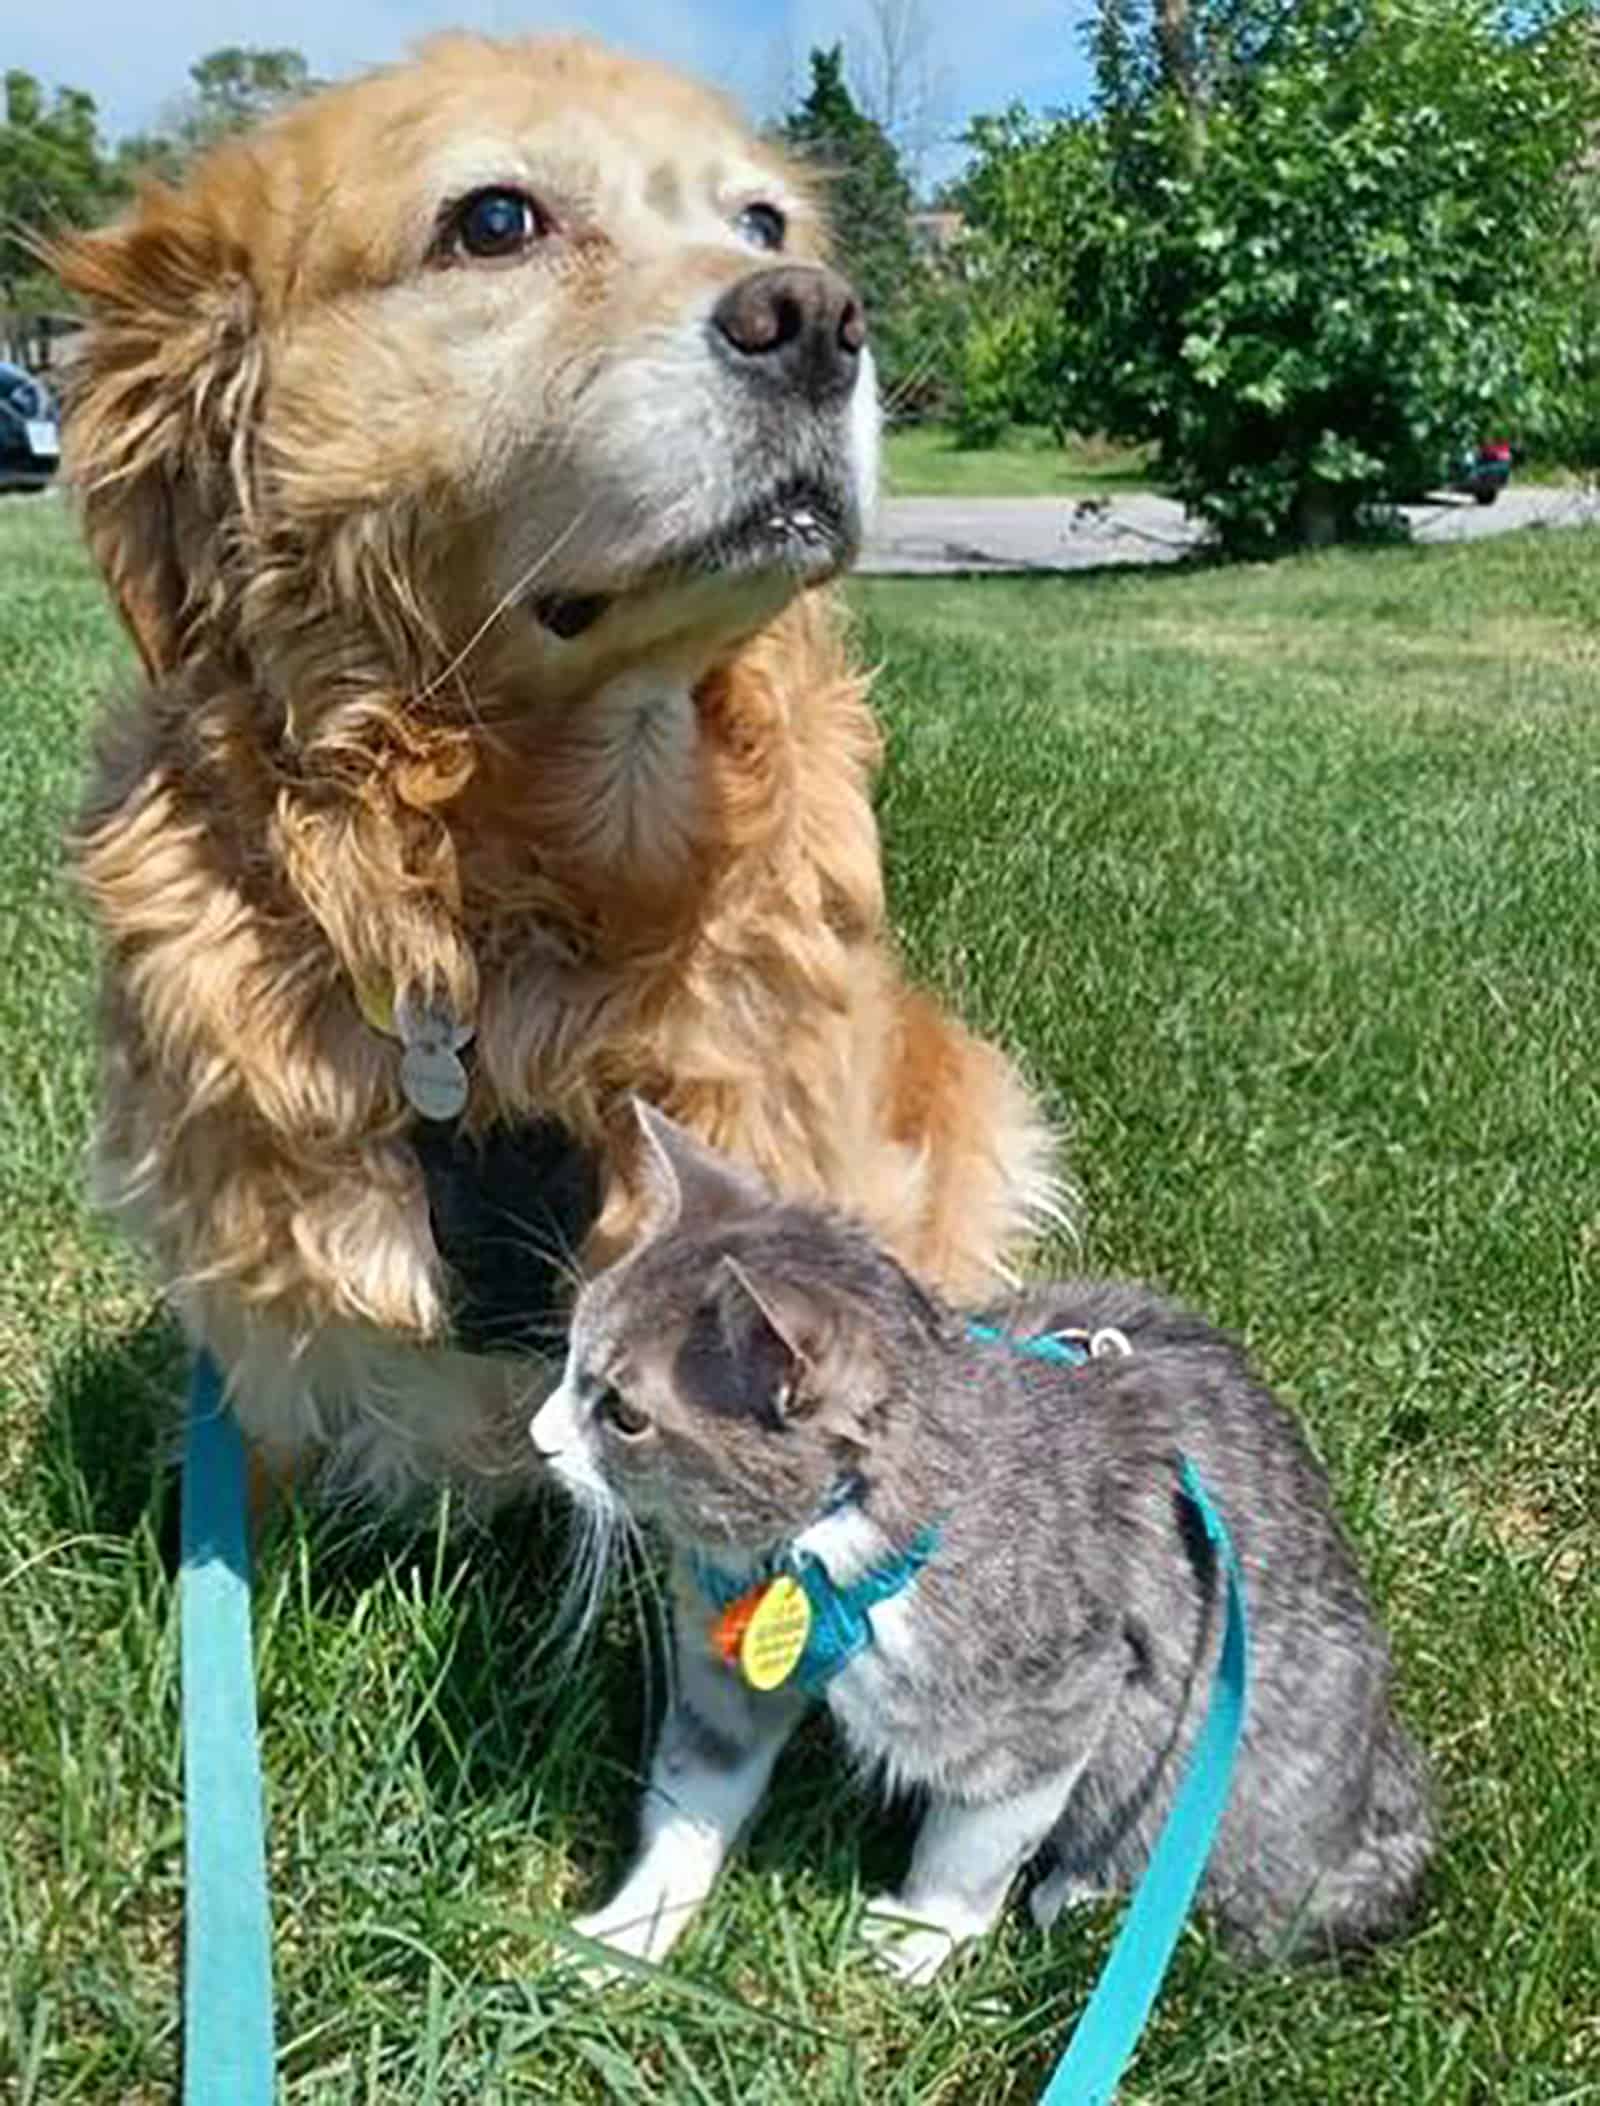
x,y
681,496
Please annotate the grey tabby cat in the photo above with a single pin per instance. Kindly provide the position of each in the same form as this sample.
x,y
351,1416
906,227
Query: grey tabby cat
x,y
1044,1614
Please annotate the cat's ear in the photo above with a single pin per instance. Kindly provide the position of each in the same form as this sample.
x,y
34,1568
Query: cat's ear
x,y
686,1184
776,1338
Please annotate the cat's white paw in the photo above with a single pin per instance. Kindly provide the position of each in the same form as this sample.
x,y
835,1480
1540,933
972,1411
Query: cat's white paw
x,y
638,1934
912,1943
1062,1890
660,1897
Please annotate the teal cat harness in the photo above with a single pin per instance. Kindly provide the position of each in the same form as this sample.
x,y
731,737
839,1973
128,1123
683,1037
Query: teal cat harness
x,y
841,1617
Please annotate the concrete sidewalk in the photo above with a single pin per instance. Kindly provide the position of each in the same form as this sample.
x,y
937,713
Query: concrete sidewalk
x,y
930,536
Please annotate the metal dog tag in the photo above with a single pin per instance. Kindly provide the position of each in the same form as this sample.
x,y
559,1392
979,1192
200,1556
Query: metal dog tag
x,y
431,1072
435,1083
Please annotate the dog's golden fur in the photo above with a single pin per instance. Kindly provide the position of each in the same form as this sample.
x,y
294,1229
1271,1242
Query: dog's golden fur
x,y
322,466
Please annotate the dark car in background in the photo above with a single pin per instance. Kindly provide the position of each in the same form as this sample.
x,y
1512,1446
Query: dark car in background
x,y
30,431
1483,470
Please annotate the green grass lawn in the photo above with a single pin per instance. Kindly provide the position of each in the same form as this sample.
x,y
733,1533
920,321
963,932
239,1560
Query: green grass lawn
x,y
1284,883
923,460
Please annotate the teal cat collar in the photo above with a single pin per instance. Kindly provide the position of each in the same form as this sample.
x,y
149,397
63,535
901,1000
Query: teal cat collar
x,y
841,1617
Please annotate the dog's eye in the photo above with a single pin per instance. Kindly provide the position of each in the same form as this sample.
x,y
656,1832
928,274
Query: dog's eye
x,y
613,1409
495,223
763,224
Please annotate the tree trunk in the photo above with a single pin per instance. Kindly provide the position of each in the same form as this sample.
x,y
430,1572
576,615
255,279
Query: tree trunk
x,y
1180,67
1323,514
1179,62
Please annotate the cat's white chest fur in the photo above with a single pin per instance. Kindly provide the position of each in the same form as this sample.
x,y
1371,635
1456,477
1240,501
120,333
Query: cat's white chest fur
x,y
866,1695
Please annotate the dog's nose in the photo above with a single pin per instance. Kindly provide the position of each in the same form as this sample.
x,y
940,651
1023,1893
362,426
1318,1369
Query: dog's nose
x,y
800,328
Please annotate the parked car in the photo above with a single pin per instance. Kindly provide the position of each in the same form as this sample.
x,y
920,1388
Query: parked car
x,y
1483,470
30,431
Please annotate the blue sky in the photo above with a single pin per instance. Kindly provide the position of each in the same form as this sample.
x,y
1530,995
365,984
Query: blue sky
x,y
133,57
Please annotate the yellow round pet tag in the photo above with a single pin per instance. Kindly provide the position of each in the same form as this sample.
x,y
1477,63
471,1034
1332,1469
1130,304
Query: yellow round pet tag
x,y
776,1634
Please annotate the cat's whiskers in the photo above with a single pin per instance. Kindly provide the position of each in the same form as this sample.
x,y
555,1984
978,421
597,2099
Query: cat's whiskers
x,y
596,1523
648,1606
608,1541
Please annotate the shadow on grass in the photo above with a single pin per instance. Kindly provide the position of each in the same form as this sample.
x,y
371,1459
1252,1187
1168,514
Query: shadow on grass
x,y
110,1434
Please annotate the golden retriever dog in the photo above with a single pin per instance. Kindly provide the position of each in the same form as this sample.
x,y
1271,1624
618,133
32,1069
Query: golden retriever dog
x,y
466,452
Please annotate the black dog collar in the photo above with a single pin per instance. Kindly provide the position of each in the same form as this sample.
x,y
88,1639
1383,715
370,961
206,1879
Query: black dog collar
x,y
510,1210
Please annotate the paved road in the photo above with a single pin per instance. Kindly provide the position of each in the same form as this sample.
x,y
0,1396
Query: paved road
x,y
922,535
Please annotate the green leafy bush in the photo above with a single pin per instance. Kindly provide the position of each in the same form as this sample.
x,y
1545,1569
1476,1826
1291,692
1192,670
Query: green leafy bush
x,y
1309,253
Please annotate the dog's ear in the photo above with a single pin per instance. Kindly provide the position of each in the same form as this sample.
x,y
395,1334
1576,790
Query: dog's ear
x,y
160,393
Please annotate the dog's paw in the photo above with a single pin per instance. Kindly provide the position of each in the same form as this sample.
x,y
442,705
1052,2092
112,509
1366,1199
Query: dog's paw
x,y
912,1944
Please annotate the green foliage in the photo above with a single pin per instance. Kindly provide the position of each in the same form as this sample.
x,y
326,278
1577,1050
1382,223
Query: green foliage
x,y
52,174
1567,351
236,86
918,341
1309,270
231,88
152,155
1025,178
868,202
866,193
55,172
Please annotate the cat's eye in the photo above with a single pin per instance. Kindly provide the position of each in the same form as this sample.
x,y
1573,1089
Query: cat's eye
x,y
762,224
493,225
612,1409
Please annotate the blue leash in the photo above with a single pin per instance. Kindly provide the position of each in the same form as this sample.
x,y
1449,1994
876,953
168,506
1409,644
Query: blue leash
x,y
227,2014
1110,2024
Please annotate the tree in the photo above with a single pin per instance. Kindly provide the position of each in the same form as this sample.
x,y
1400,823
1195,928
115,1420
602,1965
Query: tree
x,y
231,89
868,197
52,174
237,85
868,201
143,155
901,86
55,173
1306,247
